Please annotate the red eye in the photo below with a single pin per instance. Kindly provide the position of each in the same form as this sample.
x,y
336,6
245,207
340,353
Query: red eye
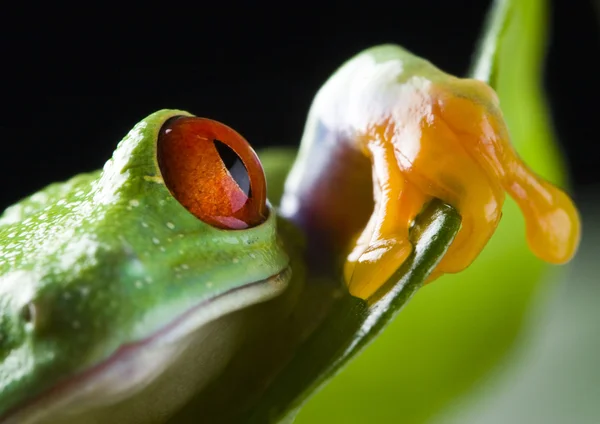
x,y
213,172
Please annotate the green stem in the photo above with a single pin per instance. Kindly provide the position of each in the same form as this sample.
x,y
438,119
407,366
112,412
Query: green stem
x,y
485,58
353,323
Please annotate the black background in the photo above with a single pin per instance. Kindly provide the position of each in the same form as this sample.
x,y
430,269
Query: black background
x,y
75,81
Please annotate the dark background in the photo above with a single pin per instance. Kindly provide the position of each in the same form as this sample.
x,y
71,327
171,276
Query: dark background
x,y
75,81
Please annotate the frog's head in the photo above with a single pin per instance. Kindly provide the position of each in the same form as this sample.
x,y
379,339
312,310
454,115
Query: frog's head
x,y
104,278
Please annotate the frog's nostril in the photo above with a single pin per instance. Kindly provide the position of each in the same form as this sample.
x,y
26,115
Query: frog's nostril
x,y
28,313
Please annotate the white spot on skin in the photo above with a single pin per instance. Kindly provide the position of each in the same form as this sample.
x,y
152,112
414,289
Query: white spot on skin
x,y
185,266
39,197
170,225
155,240
134,203
145,225
11,215
224,239
148,279
115,175
136,267
80,253
252,255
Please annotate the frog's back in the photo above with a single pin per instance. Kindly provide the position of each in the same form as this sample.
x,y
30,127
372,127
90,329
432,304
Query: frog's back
x,y
46,199
35,215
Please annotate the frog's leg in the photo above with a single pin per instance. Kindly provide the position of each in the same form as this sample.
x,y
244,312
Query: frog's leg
x,y
444,169
551,219
383,245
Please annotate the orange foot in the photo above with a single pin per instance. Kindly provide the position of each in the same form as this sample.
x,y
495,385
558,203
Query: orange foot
x,y
447,139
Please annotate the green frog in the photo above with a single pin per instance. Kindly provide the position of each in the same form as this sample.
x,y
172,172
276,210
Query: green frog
x,y
127,291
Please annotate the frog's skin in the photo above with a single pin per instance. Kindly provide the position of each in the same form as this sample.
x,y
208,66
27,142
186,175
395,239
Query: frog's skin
x,y
108,275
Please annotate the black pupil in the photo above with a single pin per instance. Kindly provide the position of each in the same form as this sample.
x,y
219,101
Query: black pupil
x,y
235,166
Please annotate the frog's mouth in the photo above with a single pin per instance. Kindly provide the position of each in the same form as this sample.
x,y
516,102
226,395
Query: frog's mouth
x,y
133,384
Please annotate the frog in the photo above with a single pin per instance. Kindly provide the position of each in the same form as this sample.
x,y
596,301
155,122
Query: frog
x,y
126,291
83,293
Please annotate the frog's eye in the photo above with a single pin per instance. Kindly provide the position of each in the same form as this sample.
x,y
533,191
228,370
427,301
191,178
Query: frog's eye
x,y
212,171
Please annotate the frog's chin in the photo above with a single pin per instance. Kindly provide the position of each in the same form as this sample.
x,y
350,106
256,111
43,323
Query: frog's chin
x,y
147,380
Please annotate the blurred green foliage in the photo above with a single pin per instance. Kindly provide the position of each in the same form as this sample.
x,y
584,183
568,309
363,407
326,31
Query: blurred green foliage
x,y
455,331
553,377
